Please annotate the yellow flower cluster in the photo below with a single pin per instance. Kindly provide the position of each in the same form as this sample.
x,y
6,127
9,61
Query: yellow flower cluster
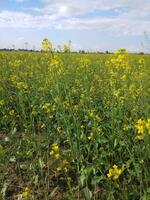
x,y
55,62
46,107
22,85
63,166
46,45
141,126
85,62
26,193
90,137
17,63
55,151
142,61
115,172
119,58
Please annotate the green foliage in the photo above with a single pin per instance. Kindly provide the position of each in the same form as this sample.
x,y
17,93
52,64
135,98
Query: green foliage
x,y
74,126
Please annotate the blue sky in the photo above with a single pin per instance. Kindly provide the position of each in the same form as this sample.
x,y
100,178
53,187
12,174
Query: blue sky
x,y
91,24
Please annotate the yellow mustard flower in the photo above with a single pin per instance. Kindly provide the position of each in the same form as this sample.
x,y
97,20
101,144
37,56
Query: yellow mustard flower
x,y
82,126
140,124
51,153
142,61
142,161
90,137
56,156
55,151
46,45
46,106
58,169
114,172
55,147
26,193
139,137
148,125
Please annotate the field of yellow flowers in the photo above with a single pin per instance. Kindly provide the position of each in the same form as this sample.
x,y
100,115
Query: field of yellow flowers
x,y
74,126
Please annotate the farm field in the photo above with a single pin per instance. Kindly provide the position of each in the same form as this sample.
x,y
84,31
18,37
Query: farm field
x,y
74,126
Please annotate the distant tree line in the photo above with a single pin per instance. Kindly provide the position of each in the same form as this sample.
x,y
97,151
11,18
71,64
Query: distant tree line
x,y
47,46
57,51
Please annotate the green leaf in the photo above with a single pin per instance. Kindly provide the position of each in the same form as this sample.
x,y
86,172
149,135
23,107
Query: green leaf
x,y
115,143
14,131
12,159
87,193
4,189
1,150
97,179
41,163
82,180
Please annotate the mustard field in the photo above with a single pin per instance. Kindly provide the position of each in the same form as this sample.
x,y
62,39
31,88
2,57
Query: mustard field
x,y
74,126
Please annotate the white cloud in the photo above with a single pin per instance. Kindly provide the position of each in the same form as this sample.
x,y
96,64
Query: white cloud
x,y
23,20
84,6
79,6
133,16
